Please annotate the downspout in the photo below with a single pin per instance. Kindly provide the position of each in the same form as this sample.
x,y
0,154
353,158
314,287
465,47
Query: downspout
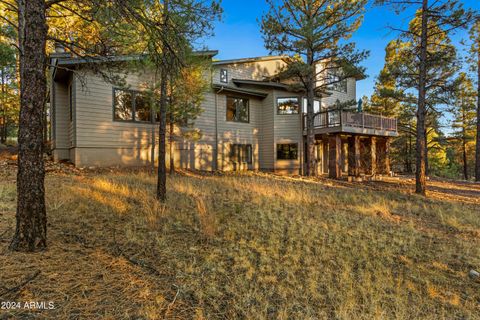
x,y
216,128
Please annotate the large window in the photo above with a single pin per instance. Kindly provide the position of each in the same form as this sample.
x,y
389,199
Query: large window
x,y
288,105
287,151
129,105
142,108
335,81
238,109
316,106
241,153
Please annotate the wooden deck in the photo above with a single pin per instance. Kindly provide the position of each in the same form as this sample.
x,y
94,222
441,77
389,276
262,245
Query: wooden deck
x,y
360,123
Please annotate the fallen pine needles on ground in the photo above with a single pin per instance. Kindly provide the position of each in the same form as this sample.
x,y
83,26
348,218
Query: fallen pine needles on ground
x,y
246,246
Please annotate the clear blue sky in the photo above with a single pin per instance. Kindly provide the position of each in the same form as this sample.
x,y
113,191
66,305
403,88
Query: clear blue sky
x,y
238,34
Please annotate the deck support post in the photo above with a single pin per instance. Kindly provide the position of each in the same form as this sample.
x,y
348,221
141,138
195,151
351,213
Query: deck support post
x,y
354,156
345,156
387,156
373,155
325,153
334,163
384,157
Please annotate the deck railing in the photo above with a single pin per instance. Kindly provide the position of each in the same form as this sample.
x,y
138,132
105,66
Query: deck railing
x,y
339,118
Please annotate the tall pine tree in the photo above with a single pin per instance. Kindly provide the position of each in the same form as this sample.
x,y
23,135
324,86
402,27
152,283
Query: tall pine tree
x,y
314,35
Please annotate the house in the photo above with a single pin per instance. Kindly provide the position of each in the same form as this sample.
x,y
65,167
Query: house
x,y
248,122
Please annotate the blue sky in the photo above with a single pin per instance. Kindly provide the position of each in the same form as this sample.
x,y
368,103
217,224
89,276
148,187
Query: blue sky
x,y
238,34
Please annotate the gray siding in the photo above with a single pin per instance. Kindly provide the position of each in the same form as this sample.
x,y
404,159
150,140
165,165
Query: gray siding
x,y
95,139
267,159
257,70
61,121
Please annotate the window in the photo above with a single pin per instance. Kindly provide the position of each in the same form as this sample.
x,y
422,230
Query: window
x,y
335,82
123,105
287,151
237,109
70,101
142,108
316,106
224,75
129,105
241,153
288,106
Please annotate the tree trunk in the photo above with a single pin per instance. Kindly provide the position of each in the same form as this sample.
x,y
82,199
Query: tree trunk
x,y
170,137
3,135
427,167
31,228
477,148
465,166
420,185
310,159
162,170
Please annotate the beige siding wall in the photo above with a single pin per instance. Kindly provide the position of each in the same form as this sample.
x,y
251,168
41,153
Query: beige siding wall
x,y
60,137
351,94
267,159
230,132
123,142
288,129
95,139
250,70
200,154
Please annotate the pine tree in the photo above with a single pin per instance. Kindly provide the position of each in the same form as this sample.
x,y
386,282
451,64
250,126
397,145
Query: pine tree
x,y
474,60
446,16
314,35
118,27
464,113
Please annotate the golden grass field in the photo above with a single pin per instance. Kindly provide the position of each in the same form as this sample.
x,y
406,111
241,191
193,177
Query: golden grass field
x,y
246,246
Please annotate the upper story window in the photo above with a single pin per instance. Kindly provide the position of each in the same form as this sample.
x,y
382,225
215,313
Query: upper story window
x,y
224,75
129,105
335,81
287,151
238,109
316,105
288,105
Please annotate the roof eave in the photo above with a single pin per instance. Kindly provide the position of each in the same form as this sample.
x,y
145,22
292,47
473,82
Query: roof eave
x,y
253,93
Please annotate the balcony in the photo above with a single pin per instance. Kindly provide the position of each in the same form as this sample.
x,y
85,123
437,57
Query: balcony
x,y
361,123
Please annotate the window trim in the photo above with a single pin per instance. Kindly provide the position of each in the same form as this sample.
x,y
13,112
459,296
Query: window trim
x,y
226,109
305,102
226,75
292,143
134,93
289,114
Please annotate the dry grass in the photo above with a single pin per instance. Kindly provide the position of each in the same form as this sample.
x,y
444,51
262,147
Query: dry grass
x,y
249,246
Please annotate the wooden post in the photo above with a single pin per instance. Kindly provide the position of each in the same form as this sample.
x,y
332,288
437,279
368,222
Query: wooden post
x,y
358,162
325,153
335,146
373,156
345,156
351,156
387,155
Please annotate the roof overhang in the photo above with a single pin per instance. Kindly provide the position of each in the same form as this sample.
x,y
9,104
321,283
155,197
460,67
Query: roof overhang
x,y
63,63
63,60
229,89
264,84
247,60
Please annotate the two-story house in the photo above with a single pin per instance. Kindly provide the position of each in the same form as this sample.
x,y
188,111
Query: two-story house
x,y
248,122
